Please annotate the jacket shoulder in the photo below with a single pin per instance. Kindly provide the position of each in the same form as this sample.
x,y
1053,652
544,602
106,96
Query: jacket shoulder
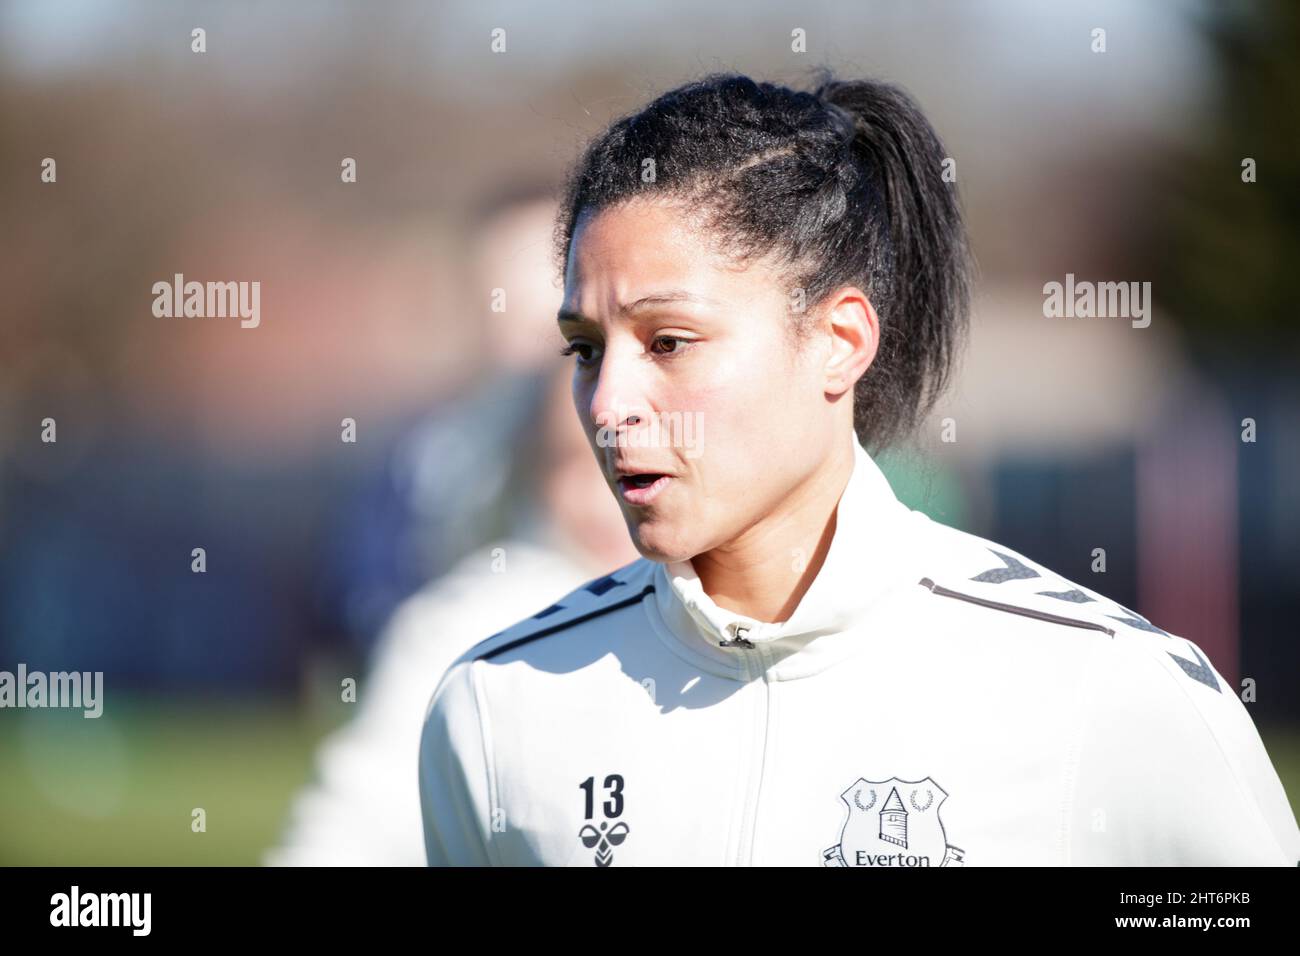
x,y
990,578
602,595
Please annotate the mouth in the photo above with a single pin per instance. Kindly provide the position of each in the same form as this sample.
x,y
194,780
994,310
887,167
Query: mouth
x,y
643,487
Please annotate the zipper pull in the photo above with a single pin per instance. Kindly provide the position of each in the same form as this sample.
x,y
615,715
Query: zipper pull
x,y
739,630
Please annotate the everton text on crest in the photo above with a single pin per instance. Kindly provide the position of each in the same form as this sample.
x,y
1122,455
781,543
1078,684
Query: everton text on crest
x,y
893,823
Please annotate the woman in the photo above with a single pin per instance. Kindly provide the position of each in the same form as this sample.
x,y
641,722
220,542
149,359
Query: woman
x,y
800,669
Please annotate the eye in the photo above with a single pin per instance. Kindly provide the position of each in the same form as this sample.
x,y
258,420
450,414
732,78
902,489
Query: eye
x,y
582,349
680,344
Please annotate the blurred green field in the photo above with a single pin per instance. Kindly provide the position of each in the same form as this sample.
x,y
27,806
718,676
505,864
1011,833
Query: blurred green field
x,y
121,793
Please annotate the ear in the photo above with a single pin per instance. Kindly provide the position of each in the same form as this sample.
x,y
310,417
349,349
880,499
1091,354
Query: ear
x,y
854,330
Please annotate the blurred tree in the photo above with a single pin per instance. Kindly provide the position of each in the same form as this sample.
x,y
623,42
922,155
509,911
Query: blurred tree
x,y
1228,248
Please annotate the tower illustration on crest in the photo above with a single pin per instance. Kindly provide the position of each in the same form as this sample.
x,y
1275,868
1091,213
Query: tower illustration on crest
x,y
893,820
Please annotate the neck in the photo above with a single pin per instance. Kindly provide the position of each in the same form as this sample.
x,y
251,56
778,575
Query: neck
x,y
765,572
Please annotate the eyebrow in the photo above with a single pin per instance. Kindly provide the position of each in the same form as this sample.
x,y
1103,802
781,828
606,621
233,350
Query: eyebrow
x,y
657,298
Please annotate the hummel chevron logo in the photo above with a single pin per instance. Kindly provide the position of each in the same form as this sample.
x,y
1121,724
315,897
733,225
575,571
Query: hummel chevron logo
x,y
1138,621
1014,571
1199,671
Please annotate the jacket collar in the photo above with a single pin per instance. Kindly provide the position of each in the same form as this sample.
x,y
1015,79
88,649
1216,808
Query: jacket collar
x,y
872,553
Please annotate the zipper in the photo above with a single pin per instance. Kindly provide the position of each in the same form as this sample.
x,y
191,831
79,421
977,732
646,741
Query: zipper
x,y
753,787
738,630
1015,609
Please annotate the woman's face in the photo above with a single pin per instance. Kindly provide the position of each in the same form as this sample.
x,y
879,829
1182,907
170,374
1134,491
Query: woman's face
x,y
697,349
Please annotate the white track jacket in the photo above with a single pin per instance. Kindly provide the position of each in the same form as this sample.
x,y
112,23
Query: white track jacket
x,y
936,699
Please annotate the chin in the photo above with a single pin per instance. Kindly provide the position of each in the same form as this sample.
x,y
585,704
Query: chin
x,y
663,544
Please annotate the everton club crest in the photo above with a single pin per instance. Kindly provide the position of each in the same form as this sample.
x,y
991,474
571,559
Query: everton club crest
x,y
893,823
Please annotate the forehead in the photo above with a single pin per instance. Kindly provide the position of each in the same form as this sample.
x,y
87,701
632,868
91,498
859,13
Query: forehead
x,y
641,245
638,232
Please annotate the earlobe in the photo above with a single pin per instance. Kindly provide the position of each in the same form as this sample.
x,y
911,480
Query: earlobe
x,y
839,371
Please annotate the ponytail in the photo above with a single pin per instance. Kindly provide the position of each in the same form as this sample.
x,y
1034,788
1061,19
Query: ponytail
x,y
921,287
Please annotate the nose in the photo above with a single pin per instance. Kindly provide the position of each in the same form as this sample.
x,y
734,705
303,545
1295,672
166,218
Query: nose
x,y
618,401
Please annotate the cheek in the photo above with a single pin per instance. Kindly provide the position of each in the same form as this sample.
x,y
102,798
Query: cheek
x,y
745,392
714,416
582,394
730,430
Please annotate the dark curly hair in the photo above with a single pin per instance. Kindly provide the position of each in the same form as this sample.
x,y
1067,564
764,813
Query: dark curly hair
x,y
842,185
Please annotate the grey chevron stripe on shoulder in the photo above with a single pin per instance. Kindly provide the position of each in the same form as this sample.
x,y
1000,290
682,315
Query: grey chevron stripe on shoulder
x,y
598,596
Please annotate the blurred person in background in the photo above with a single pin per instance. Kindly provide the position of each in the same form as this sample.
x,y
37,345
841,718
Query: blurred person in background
x,y
459,496
441,492
363,808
